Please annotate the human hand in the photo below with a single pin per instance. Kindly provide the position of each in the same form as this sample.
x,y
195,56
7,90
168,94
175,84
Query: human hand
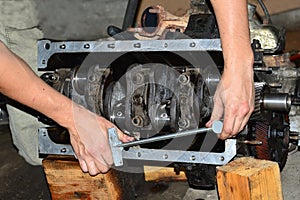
x,y
233,100
89,139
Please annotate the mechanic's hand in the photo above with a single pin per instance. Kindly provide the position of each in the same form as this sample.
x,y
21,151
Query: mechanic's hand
x,y
89,138
233,100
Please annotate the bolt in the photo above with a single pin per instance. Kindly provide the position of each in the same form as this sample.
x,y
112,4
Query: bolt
x,y
183,100
183,123
63,150
63,46
92,78
164,115
138,99
119,114
222,158
111,46
137,45
137,121
138,78
183,79
192,44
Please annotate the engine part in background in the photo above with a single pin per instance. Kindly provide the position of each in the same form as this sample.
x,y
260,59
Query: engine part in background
x,y
271,38
156,22
275,139
277,102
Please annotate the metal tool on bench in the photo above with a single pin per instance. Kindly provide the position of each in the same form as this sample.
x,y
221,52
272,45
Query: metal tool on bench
x,y
119,153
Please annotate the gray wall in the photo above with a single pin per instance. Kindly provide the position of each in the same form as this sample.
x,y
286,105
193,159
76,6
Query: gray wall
x,y
79,19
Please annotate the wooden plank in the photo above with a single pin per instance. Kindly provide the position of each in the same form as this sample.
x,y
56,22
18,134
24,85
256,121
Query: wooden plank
x,y
249,179
67,181
162,174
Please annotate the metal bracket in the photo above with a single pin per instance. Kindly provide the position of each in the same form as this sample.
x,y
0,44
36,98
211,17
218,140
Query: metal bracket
x,y
119,153
47,146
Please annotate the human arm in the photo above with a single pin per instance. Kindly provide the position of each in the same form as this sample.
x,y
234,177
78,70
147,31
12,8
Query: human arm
x,y
234,97
88,131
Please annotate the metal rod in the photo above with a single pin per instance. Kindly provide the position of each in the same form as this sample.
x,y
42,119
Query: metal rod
x,y
252,142
216,128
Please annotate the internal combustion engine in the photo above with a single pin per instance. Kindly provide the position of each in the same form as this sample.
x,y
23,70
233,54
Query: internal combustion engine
x,y
157,75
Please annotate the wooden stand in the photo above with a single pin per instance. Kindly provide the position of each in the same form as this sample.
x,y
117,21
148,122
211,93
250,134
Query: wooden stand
x,y
249,179
67,181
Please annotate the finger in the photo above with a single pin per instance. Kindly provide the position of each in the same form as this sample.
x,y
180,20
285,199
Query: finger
x,y
229,121
123,137
217,112
83,165
242,118
104,157
237,125
244,122
107,158
92,168
102,165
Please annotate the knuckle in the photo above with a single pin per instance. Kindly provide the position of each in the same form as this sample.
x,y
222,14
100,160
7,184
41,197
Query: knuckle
x,y
233,108
227,130
245,109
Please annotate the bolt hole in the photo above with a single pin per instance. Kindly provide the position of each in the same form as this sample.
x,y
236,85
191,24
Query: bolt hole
x,y
47,46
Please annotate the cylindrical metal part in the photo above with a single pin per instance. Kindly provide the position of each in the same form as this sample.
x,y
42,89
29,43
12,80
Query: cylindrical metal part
x,y
276,102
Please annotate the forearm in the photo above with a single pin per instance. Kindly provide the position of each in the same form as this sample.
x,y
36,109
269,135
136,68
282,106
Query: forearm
x,y
88,131
232,17
19,82
234,97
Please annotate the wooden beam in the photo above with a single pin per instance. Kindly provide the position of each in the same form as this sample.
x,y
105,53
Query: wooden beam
x,y
67,181
248,178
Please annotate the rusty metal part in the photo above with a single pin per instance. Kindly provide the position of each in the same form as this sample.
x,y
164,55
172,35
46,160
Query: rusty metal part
x,y
261,134
156,22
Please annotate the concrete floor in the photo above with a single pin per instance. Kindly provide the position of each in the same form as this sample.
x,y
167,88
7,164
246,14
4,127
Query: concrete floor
x,y
84,20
